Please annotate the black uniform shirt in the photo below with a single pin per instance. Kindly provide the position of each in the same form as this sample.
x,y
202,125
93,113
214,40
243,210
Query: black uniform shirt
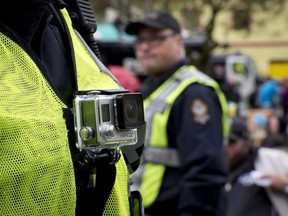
x,y
197,187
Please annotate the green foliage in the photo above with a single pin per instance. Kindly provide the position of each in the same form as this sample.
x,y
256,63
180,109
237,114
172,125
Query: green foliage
x,y
133,9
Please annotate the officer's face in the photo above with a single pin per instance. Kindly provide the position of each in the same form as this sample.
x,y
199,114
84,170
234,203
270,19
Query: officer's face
x,y
158,50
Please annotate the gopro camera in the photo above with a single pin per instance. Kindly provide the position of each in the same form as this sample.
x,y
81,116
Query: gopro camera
x,y
107,119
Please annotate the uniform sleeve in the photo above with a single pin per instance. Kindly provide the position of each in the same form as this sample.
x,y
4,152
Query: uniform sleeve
x,y
195,128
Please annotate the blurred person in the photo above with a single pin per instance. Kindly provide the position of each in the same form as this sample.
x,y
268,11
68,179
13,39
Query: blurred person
x,y
258,129
253,103
275,137
184,169
284,95
278,183
231,90
48,54
257,176
229,87
268,95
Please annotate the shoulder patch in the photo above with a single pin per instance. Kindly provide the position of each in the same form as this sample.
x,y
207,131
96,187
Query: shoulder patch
x,y
199,111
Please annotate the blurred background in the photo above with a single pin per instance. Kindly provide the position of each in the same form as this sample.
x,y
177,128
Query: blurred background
x,y
242,44
256,28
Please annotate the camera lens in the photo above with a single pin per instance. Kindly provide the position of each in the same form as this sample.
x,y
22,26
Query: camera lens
x,y
131,112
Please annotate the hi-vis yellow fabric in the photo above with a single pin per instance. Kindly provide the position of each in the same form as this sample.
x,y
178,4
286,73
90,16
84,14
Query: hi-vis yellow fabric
x,y
36,170
90,77
152,175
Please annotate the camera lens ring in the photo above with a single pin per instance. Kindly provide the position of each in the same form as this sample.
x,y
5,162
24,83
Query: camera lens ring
x,y
131,111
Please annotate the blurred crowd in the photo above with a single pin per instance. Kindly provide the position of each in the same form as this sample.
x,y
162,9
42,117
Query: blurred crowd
x,y
257,150
257,147
257,179
266,113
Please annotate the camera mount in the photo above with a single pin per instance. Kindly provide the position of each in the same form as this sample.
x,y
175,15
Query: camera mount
x,y
92,157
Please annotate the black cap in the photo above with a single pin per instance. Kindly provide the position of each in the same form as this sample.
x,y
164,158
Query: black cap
x,y
157,19
238,129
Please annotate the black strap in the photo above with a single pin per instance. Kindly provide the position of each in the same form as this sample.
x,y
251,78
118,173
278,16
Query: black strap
x,y
136,204
84,22
132,153
90,201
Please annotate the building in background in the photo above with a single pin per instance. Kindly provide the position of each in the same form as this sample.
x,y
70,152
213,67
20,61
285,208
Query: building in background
x,y
261,35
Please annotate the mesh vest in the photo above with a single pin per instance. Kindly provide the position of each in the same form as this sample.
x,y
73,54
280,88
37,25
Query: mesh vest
x,y
157,109
36,169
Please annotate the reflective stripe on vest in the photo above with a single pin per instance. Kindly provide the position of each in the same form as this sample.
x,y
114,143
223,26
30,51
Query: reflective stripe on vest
x,y
157,110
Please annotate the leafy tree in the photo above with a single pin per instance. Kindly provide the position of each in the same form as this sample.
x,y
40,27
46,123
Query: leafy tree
x,y
132,9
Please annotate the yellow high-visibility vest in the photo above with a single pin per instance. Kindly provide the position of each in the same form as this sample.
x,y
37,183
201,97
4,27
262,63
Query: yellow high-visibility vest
x,y
157,110
36,169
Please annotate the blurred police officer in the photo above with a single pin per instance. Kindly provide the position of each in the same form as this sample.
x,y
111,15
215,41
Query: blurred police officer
x,y
183,171
45,57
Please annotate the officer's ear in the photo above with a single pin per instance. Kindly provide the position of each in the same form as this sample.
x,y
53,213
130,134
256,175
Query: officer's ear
x,y
179,39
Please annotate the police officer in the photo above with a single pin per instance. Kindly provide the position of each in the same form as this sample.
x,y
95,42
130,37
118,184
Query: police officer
x,y
183,171
46,56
